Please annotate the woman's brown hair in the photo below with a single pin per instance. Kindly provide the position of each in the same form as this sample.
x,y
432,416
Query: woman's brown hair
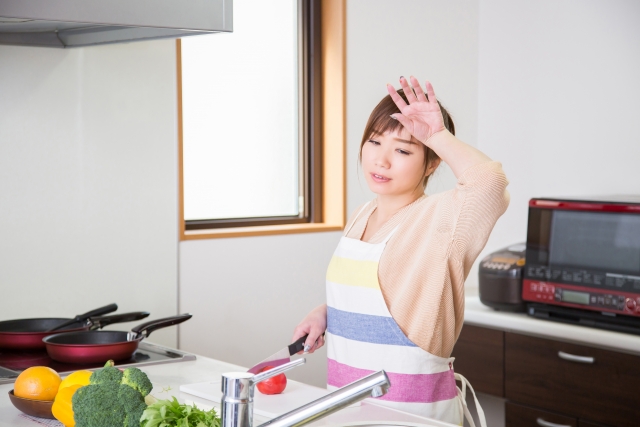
x,y
380,121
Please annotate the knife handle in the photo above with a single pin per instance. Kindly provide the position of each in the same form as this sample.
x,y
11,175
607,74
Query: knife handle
x,y
297,346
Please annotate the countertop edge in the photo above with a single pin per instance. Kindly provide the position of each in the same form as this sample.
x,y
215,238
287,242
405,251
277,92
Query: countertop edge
x,y
478,314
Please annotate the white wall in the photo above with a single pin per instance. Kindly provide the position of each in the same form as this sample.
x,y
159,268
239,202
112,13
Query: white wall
x,y
88,199
247,294
558,101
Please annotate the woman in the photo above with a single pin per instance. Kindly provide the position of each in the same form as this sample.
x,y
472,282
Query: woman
x,y
395,284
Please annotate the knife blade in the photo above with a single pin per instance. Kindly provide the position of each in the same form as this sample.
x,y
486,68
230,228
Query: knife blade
x,y
281,356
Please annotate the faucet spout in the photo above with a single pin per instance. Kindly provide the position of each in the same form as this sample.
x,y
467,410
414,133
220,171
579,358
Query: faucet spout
x,y
374,385
236,405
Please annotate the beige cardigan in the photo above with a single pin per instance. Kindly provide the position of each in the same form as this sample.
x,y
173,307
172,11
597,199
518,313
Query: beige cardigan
x,y
424,265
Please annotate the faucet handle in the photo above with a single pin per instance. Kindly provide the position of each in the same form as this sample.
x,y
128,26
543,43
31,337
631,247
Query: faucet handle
x,y
277,370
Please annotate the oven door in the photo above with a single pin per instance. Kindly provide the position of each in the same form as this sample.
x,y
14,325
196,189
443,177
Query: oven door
x,y
584,255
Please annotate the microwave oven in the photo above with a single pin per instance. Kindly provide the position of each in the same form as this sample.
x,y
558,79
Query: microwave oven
x,y
584,254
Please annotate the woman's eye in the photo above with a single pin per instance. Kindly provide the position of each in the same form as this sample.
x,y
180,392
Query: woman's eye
x,y
404,152
374,142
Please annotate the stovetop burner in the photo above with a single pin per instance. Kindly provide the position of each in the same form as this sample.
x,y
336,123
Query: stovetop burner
x,y
14,362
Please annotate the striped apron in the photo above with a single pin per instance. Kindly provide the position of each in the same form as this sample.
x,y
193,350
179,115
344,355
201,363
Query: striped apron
x,y
362,337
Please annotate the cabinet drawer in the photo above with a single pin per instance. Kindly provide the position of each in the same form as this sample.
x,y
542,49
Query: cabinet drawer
x,y
524,416
599,385
582,423
479,354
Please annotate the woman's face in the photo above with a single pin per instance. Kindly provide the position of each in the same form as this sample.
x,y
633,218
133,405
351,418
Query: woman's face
x,y
393,163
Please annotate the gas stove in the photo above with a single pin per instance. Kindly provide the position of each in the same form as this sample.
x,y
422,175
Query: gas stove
x,y
14,362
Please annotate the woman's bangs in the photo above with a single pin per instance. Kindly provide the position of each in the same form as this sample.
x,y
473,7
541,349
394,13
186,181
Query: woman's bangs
x,y
384,123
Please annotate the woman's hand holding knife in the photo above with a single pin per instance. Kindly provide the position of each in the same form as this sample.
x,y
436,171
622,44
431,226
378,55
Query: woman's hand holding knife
x,y
314,325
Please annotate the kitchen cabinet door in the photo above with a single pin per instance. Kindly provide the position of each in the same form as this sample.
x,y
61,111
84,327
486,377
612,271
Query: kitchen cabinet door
x,y
479,355
525,416
586,382
582,423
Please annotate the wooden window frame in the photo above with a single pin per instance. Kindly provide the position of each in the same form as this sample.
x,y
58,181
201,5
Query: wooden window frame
x,y
332,130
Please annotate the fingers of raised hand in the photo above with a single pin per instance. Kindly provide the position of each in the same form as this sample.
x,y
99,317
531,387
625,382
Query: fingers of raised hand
x,y
396,98
430,93
408,124
408,92
418,89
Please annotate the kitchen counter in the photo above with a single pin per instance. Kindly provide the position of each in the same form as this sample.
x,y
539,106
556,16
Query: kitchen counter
x,y
478,314
167,379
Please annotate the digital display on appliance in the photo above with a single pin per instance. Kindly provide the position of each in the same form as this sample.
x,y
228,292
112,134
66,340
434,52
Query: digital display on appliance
x,y
606,241
575,297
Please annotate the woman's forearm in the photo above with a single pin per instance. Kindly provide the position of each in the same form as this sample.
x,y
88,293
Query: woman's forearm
x,y
459,155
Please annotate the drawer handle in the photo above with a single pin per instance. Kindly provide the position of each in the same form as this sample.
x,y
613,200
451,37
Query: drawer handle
x,y
574,358
544,423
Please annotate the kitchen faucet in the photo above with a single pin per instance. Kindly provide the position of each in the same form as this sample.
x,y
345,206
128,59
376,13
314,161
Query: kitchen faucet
x,y
238,389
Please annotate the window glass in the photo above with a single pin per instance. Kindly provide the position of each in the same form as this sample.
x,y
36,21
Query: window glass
x,y
240,115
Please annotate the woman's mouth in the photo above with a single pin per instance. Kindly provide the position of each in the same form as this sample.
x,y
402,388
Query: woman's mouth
x,y
380,178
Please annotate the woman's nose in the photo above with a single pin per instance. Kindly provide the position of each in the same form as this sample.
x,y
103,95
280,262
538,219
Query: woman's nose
x,y
381,160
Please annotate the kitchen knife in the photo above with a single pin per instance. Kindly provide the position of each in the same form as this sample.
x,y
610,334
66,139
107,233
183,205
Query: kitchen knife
x,y
280,357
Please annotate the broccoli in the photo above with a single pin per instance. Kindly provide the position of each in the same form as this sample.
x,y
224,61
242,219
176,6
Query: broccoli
x,y
137,379
112,399
133,405
108,374
98,406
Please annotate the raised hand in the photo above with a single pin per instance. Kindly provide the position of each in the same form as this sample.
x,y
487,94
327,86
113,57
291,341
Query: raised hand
x,y
422,116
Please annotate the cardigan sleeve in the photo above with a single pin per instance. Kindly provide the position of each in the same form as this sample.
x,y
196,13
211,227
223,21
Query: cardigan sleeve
x,y
423,269
480,198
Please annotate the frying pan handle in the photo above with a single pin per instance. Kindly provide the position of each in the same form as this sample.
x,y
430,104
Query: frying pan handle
x,y
146,328
83,317
102,321
97,312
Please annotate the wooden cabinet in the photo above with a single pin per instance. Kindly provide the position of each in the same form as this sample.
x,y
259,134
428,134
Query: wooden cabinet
x,y
548,381
481,359
586,382
588,424
524,416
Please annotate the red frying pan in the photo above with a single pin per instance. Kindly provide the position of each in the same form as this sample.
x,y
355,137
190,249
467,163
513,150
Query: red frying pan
x,y
100,346
27,334
33,340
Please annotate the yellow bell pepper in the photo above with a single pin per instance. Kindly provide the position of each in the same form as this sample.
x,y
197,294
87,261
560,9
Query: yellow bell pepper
x,y
62,408
77,377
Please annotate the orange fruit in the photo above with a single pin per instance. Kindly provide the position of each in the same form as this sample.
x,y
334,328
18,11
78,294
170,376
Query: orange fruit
x,y
37,383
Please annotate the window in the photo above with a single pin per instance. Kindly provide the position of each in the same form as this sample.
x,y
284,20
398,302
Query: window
x,y
254,125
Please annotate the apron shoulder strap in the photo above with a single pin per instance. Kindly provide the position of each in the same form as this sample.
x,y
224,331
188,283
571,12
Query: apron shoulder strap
x,y
349,226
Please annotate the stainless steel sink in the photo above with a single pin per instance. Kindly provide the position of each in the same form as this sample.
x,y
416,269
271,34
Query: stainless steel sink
x,y
427,423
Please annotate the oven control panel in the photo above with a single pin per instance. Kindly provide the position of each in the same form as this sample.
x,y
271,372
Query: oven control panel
x,y
581,297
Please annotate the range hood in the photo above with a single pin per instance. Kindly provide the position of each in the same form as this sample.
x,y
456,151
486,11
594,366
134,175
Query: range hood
x,y
74,23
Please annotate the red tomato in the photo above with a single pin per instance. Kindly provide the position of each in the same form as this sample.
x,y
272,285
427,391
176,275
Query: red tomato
x,y
274,385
